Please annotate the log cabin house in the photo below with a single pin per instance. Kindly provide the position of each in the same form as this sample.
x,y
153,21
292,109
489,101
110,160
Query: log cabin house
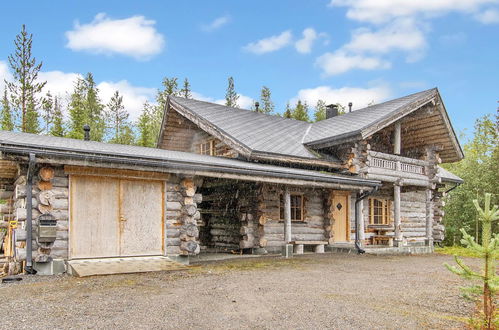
x,y
226,179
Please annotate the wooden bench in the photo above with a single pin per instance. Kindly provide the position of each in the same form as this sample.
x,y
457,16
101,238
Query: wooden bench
x,y
298,246
382,238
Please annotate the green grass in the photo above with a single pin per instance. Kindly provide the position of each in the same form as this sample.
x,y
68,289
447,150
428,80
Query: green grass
x,y
457,250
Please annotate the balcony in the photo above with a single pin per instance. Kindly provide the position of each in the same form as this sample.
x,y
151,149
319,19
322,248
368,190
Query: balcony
x,y
394,168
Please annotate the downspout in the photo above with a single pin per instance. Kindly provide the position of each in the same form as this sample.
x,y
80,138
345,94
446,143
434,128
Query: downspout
x,y
448,190
29,215
360,197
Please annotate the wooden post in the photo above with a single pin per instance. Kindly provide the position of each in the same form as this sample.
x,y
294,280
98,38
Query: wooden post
x,y
429,218
360,213
397,141
396,214
287,215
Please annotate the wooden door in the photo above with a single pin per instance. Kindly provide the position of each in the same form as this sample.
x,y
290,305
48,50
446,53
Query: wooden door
x,y
94,225
340,209
141,220
112,217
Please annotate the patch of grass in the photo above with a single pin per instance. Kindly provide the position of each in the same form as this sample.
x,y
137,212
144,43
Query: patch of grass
x,y
250,265
457,250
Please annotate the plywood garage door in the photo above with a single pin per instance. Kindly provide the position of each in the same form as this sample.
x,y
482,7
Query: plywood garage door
x,y
113,217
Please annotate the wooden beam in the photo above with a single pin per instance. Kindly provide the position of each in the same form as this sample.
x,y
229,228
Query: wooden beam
x,y
396,214
397,143
287,215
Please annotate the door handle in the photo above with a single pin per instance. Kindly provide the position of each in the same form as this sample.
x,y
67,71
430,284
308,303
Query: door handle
x,y
122,219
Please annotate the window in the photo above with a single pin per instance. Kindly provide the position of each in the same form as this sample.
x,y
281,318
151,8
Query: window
x,y
296,207
207,148
379,211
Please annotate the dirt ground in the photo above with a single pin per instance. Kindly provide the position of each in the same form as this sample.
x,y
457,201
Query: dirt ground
x,y
307,292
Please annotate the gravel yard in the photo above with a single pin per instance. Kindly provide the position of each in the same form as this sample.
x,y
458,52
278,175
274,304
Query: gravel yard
x,y
307,292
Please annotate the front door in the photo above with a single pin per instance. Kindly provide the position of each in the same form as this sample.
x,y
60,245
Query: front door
x,y
112,217
340,207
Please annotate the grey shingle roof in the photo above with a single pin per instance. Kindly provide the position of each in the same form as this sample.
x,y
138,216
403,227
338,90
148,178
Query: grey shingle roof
x,y
448,176
353,122
257,131
276,135
22,143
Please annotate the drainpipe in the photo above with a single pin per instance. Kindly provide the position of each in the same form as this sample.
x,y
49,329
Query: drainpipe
x,y
29,215
360,197
448,190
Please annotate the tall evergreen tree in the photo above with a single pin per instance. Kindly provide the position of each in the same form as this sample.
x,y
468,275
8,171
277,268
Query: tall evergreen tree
x,y
301,111
7,123
48,111
25,87
320,111
144,125
117,119
186,89
77,114
231,97
57,127
94,109
267,106
288,113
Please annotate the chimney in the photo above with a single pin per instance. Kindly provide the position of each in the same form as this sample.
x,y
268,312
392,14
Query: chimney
x,y
331,111
86,128
256,106
350,106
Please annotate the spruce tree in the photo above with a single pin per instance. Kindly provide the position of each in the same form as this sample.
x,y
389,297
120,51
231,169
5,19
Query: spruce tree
x,y
489,252
94,109
25,87
320,111
231,97
186,89
301,111
267,106
144,125
57,127
48,111
7,123
287,113
77,114
117,119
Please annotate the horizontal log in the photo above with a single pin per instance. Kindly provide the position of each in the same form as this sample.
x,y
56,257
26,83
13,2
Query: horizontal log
x,y
6,194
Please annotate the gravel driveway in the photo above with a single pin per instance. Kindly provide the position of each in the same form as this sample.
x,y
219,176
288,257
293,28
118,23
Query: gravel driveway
x,y
307,292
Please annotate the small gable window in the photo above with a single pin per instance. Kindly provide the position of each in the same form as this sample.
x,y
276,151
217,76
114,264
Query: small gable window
x,y
207,148
379,211
296,207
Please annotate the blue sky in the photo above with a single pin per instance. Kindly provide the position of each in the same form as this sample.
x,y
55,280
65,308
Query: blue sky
x,y
339,50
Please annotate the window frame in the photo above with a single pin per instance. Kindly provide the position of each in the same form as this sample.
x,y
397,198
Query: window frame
x,y
207,148
384,209
294,208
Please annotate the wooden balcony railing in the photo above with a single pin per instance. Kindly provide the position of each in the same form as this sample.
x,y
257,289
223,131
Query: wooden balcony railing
x,y
389,162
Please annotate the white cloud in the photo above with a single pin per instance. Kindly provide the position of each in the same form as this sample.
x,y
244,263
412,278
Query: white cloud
x,y
135,36
305,44
489,16
270,44
216,23
401,35
380,11
134,97
341,62
244,102
58,83
4,74
360,97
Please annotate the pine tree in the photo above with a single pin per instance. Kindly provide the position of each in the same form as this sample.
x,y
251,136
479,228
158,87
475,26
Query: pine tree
x,y
94,109
24,88
48,111
144,125
7,123
57,127
267,106
186,90
77,114
117,119
231,96
287,112
32,124
320,111
301,111
489,251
